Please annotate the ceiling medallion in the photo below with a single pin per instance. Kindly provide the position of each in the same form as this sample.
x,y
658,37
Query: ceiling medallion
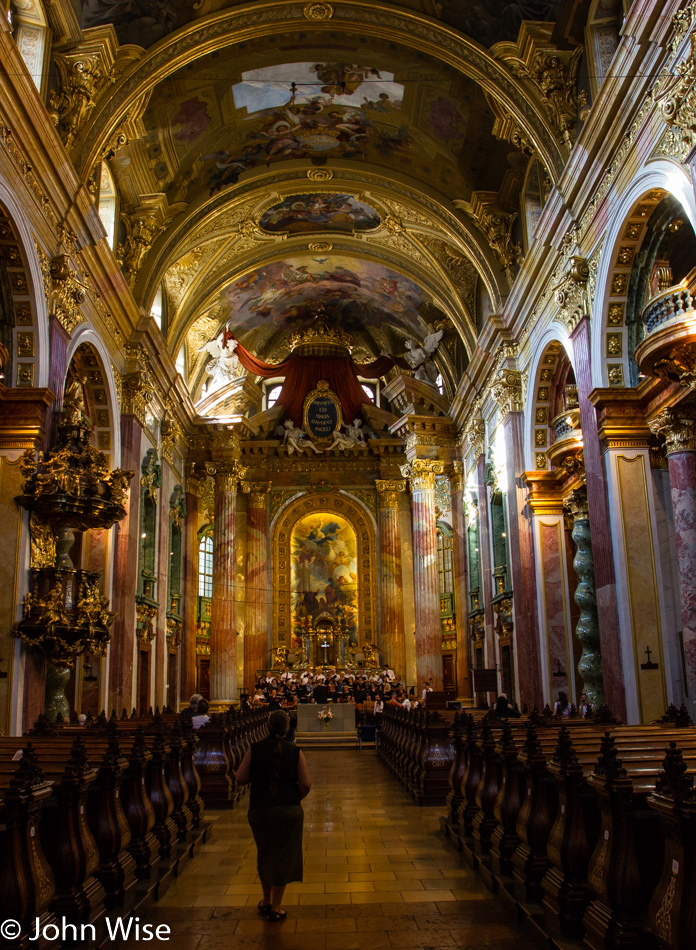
x,y
319,174
318,11
320,246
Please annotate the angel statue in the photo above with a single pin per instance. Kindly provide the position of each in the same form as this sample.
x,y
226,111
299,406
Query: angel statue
x,y
296,438
418,357
224,365
354,435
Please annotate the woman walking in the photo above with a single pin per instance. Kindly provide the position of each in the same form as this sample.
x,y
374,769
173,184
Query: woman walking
x,y
277,771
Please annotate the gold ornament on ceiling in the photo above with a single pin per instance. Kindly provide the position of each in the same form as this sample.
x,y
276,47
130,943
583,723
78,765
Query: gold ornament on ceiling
x,y
320,246
319,174
318,11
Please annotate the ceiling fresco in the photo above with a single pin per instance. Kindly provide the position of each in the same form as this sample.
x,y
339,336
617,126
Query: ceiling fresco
x,y
220,117
488,21
356,294
301,213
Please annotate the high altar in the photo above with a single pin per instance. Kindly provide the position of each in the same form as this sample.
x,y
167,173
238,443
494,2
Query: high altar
x,y
322,558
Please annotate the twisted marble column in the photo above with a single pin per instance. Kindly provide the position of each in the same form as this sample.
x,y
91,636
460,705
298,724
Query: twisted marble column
x,y
421,475
256,640
587,628
392,633
223,631
678,427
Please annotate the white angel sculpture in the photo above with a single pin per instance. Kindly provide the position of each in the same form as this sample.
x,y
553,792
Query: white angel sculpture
x,y
354,435
296,438
224,366
418,357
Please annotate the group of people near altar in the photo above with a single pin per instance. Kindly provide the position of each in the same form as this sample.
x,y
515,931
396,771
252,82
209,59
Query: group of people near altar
x,y
289,688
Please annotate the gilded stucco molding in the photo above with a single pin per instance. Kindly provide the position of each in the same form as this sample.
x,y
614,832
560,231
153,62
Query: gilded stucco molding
x,y
496,226
227,475
65,291
81,81
571,294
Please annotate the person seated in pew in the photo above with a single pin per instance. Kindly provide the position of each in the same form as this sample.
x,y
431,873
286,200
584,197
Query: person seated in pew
x,y
192,707
562,707
586,708
502,706
201,717
274,701
514,711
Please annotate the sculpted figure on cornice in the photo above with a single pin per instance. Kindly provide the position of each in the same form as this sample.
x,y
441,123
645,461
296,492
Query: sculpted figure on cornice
x,y
496,224
676,98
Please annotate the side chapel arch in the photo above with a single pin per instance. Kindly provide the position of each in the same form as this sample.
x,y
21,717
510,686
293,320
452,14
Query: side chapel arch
x,y
354,512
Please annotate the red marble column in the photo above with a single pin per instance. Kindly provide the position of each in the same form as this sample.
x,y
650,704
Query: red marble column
x,y
391,641
461,606
421,473
125,585
679,429
223,630
522,571
605,581
59,340
190,588
159,649
256,634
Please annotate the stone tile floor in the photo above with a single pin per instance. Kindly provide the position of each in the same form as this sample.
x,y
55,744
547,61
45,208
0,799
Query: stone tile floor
x,y
377,875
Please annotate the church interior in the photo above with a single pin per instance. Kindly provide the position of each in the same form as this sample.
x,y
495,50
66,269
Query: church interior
x,y
351,345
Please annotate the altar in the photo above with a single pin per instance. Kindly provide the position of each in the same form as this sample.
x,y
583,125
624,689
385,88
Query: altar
x,y
343,718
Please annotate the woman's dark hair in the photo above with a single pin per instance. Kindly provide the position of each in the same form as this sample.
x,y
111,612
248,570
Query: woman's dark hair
x,y
278,725
203,707
562,701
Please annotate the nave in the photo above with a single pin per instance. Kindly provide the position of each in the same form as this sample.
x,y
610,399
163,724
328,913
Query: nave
x,y
377,875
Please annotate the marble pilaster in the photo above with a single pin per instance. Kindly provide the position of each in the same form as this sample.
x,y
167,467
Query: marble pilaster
x,y
521,548
599,524
679,430
59,340
421,474
461,606
392,645
223,630
122,648
490,659
190,588
158,648
256,639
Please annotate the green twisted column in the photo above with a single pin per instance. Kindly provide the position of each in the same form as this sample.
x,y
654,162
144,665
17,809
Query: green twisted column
x,y
587,629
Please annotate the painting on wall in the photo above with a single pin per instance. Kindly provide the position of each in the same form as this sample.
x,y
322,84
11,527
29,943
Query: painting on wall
x,y
355,294
307,109
324,574
300,213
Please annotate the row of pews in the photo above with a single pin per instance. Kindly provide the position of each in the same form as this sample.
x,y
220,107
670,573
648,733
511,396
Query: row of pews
x,y
98,818
416,744
586,828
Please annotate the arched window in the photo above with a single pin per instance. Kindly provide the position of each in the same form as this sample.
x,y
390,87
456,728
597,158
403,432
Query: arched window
x,y
272,394
107,203
205,566
156,308
369,391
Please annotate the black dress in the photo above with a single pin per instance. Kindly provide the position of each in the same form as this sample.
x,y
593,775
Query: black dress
x,y
276,820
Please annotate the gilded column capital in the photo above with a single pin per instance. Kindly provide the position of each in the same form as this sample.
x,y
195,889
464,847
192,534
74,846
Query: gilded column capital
x,y
389,491
226,475
257,492
195,480
456,476
421,473
575,505
475,434
678,429
506,389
